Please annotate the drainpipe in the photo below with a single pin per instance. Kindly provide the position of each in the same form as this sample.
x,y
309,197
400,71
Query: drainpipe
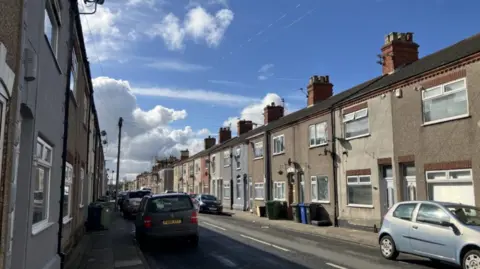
x,y
334,165
268,179
95,148
231,179
72,12
88,130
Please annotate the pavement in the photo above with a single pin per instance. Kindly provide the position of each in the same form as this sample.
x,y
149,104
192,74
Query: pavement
x,y
114,248
236,242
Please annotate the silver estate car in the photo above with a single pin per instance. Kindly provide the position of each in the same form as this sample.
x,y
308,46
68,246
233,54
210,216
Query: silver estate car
x,y
443,232
166,216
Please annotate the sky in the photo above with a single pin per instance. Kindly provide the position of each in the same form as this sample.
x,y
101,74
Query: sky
x,y
178,70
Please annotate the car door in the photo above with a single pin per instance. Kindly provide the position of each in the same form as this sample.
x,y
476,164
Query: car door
x,y
428,237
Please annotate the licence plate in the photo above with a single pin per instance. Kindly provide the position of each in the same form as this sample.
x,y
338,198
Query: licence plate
x,y
212,208
174,221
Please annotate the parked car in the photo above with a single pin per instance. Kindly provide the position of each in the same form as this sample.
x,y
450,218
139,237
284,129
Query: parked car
x,y
443,232
170,191
209,203
131,202
121,197
164,216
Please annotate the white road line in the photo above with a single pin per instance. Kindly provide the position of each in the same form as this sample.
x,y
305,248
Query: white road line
x,y
224,260
214,226
336,266
263,242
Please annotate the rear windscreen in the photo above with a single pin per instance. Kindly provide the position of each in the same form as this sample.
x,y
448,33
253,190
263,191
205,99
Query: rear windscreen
x,y
170,203
138,194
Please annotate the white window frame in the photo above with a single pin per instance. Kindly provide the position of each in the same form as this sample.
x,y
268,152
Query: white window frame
x,y
315,126
82,182
238,191
353,116
226,158
255,147
441,94
86,109
258,186
52,11
47,164
283,196
314,186
448,178
69,178
74,73
282,137
358,183
226,194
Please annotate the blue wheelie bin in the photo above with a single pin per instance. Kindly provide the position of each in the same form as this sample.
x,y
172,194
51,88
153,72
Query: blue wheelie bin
x,y
303,213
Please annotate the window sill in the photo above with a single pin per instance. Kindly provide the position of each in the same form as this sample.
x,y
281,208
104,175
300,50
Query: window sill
x,y
361,206
226,198
358,136
278,153
320,202
53,54
239,168
258,158
259,199
281,200
67,220
317,146
40,227
446,120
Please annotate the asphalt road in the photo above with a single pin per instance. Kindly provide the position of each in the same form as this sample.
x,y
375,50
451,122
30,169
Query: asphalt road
x,y
229,242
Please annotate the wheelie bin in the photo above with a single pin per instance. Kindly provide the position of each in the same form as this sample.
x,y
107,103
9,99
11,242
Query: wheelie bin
x,y
296,213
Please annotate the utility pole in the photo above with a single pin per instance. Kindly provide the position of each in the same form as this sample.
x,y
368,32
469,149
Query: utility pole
x,y
120,123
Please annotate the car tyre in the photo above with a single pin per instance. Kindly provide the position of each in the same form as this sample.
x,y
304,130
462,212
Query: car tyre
x,y
387,248
471,259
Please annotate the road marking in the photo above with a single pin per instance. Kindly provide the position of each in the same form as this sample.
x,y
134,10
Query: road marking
x,y
336,266
214,226
265,243
224,260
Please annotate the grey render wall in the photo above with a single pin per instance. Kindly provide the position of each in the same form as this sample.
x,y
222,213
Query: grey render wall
x,y
41,113
240,176
166,176
215,176
226,175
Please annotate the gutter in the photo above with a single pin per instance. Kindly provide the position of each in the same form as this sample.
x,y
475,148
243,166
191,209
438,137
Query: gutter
x,y
73,12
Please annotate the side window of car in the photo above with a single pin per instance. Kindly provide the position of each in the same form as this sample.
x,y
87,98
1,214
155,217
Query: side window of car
x,y
432,214
405,211
142,203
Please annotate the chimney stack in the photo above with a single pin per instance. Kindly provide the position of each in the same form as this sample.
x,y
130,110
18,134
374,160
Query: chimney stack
x,y
319,89
244,126
209,142
184,154
398,50
224,134
272,112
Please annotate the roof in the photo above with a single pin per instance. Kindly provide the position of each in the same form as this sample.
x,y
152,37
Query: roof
x,y
430,62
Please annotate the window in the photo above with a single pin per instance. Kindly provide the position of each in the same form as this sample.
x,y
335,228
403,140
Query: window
x,y
451,186
318,134
226,158
320,190
82,178
41,185
259,191
212,163
169,204
356,123
51,26
359,190
85,109
2,119
226,190
445,102
67,193
432,214
404,211
197,168
74,74
238,152
279,191
238,188
258,150
278,146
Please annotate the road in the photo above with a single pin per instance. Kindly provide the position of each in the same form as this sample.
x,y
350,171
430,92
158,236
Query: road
x,y
229,242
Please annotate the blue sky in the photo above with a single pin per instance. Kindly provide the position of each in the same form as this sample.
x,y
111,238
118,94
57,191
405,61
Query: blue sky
x,y
201,61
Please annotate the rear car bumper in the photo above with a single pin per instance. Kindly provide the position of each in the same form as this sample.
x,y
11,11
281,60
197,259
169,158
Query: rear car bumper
x,y
171,234
213,209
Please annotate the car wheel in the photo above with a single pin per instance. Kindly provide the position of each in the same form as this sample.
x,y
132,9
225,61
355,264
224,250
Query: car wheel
x,y
388,248
193,241
471,260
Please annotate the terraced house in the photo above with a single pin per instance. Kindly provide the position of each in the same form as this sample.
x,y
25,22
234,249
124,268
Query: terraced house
x,y
394,137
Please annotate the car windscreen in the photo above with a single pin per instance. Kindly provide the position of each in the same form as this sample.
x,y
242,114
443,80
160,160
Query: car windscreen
x,y
138,194
207,197
468,215
170,203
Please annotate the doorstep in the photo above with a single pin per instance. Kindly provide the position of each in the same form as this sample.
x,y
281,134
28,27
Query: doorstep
x,y
345,234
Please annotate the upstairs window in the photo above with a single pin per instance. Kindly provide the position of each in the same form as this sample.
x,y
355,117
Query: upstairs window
x,y
445,102
212,164
74,74
356,123
258,150
278,144
51,24
226,158
318,134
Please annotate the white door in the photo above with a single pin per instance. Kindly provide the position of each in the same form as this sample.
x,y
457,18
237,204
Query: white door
x,y
409,182
388,188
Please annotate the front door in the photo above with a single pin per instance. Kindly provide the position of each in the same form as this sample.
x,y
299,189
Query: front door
x,y
301,188
409,182
387,186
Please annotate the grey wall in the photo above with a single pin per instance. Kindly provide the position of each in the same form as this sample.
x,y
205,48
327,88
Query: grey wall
x,y
240,178
43,104
226,175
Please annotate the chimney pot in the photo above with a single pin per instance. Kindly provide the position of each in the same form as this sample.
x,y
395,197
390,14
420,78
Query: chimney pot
x,y
398,50
209,142
224,134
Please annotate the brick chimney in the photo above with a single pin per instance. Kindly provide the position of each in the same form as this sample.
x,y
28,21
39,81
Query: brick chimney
x,y
398,50
272,112
319,88
209,142
184,154
244,126
224,134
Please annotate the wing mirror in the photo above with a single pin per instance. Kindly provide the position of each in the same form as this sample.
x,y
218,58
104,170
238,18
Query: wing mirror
x,y
446,224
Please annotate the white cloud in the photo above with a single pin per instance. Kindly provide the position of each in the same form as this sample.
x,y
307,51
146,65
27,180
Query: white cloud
x,y
229,83
145,133
198,25
180,66
265,71
219,98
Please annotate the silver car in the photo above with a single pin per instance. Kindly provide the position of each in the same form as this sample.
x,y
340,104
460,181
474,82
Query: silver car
x,y
164,216
443,232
